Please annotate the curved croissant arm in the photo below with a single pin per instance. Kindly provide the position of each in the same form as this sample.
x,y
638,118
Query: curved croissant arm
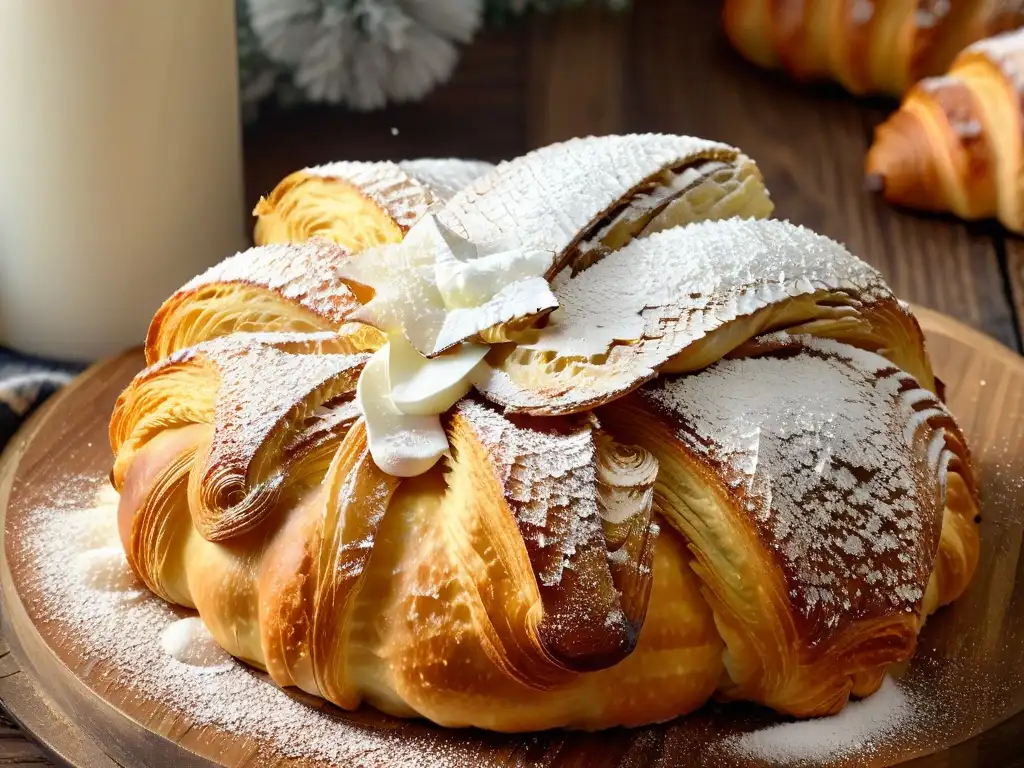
x,y
830,504
542,492
586,197
884,46
955,144
357,204
277,288
682,299
234,384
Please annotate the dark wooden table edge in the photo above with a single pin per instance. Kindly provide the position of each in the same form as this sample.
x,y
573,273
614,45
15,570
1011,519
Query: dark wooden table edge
x,y
60,739
40,732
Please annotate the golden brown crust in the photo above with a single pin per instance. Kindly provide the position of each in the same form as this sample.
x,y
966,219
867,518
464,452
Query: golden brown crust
x,y
281,288
358,204
876,46
287,585
840,597
955,144
237,380
357,495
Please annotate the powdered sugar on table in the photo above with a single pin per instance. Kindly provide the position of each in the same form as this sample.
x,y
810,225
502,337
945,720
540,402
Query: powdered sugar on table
x,y
148,646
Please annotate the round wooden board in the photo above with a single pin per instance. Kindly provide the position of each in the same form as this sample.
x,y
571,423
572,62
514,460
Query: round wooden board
x,y
970,659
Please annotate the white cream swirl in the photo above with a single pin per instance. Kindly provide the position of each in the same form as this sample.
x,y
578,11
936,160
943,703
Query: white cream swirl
x,y
433,292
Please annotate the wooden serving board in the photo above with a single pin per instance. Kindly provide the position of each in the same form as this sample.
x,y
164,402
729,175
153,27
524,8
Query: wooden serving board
x,y
968,673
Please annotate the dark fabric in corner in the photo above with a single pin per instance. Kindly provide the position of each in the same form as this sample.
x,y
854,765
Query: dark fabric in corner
x,y
25,383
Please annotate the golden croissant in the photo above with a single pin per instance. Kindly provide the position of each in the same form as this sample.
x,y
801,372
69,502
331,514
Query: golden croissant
x,y
712,465
868,46
358,204
956,144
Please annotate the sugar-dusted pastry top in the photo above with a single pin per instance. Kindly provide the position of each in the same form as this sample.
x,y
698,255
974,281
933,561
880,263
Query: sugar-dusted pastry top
x,y
828,500
445,176
301,283
820,451
400,194
682,298
585,446
590,178
593,590
306,274
237,382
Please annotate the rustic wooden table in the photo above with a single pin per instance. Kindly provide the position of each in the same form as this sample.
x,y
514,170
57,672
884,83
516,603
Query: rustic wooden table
x,y
666,67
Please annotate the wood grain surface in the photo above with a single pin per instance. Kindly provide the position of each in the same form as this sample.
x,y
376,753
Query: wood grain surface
x,y
664,67
969,665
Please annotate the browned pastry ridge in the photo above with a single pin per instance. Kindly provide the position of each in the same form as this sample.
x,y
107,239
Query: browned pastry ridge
x,y
718,469
956,143
868,46
357,204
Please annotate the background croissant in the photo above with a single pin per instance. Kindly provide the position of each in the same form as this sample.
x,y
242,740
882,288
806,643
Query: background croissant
x,y
956,142
869,46
771,519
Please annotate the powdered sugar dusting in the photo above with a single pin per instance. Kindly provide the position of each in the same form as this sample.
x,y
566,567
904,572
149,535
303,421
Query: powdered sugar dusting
x,y
187,641
143,643
1007,52
815,448
643,203
857,730
445,176
704,275
640,306
547,469
545,472
551,197
959,103
405,198
931,13
326,423
251,401
307,274
862,11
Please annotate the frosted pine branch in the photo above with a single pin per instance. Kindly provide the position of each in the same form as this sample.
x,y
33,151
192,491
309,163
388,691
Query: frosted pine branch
x,y
365,53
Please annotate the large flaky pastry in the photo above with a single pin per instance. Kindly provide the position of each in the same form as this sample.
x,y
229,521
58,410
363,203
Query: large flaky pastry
x,y
869,46
957,142
713,466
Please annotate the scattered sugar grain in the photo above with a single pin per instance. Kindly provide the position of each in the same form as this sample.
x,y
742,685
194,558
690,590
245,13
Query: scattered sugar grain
x,y
858,730
146,645
188,641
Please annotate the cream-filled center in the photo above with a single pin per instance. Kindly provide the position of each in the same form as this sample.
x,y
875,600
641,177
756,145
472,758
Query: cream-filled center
x,y
434,293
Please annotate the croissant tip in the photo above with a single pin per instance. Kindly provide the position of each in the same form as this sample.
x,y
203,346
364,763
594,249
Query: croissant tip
x,y
874,182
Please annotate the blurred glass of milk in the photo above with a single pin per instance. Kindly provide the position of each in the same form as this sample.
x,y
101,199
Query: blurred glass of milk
x,y
120,164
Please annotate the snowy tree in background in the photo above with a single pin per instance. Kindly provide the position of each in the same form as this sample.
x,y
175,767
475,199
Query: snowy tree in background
x,y
362,53
365,53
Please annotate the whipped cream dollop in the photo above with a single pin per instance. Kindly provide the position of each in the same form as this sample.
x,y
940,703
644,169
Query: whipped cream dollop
x,y
438,289
434,293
